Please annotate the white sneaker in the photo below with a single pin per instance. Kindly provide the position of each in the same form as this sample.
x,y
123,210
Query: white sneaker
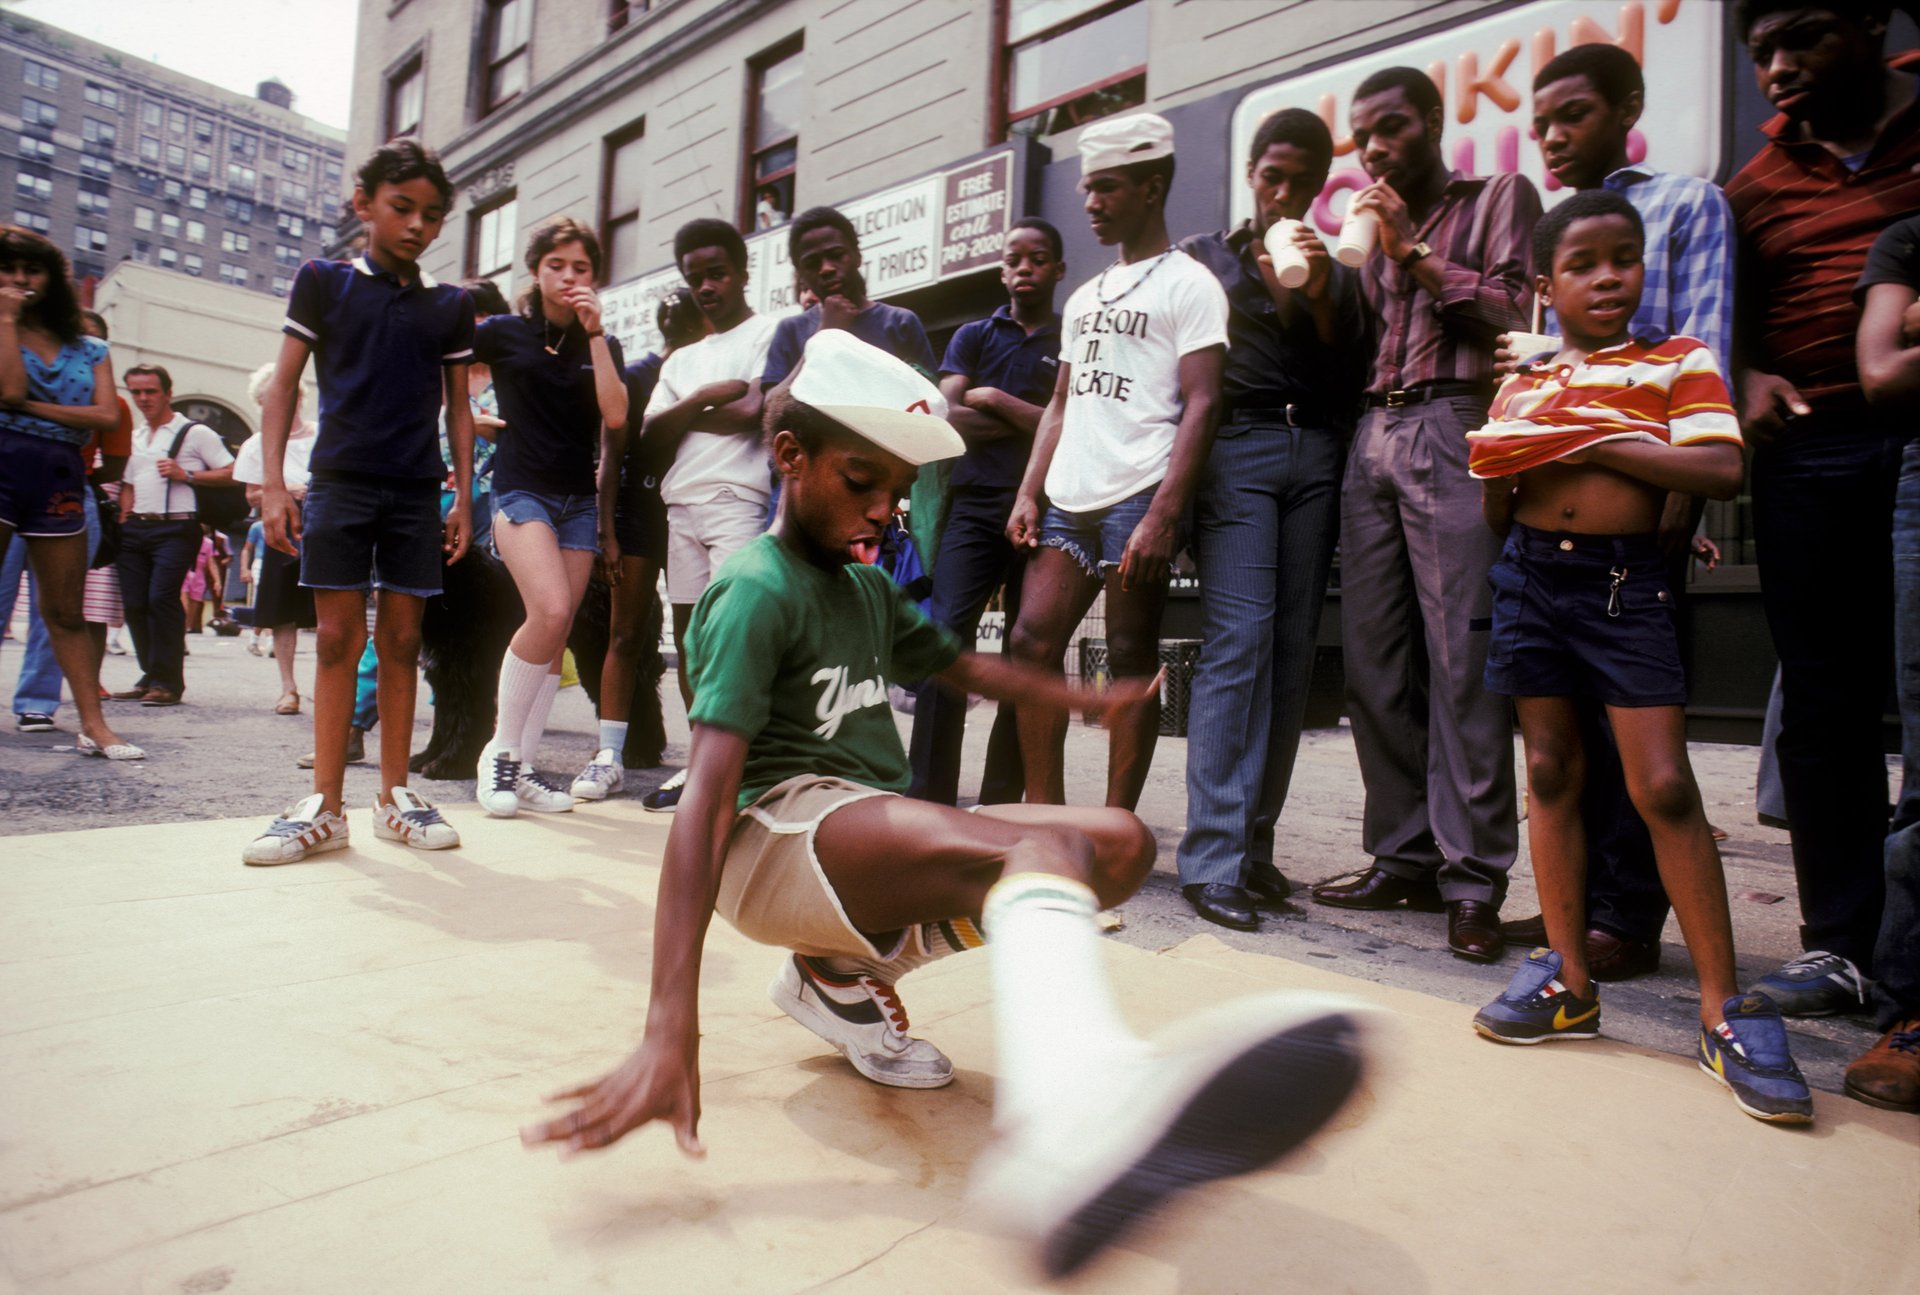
x,y
302,830
602,775
413,820
1230,1091
541,794
863,1018
495,780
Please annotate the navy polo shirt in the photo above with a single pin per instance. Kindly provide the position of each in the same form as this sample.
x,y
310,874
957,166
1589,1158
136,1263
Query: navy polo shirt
x,y
548,402
897,332
380,344
999,352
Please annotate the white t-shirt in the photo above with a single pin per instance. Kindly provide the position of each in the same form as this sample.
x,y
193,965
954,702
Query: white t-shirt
x,y
709,462
1124,401
153,493
248,469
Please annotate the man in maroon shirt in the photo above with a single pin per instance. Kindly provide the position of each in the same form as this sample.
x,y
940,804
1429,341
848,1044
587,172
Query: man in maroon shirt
x,y
1841,163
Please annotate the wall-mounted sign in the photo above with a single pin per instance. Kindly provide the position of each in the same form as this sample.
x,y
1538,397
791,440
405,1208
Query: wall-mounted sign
x,y
1485,72
914,235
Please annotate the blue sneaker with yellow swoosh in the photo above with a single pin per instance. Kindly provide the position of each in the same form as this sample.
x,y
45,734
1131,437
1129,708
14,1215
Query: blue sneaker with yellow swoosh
x,y
1537,1007
1749,1056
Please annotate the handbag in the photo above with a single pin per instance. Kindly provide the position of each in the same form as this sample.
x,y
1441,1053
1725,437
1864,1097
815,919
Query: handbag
x,y
223,506
108,511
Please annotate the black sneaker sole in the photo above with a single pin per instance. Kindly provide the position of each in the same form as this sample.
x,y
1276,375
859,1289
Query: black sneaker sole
x,y
1266,1102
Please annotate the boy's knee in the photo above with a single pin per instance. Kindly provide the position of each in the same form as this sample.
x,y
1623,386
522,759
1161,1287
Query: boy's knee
x,y
1554,774
1134,846
338,645
1028,644
398,647
1669,795
1132,656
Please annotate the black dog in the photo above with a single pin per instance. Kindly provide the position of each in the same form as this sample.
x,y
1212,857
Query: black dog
x,y
592,626
463,638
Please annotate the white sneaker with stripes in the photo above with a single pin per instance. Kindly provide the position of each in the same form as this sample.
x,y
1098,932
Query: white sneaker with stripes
x,y
411,819
304,829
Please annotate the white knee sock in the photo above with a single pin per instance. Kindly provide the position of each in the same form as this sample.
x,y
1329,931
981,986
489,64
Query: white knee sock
x,y
536,726
520,685
1055,1024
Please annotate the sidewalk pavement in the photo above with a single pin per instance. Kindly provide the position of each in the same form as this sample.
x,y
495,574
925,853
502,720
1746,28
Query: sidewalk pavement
x,y
309,1078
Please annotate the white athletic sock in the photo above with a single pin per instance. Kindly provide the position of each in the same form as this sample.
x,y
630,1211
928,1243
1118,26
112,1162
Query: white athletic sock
x,y
613,735
520,685
1055,1024
536,726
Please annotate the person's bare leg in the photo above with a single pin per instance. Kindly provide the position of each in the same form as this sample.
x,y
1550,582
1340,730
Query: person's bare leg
x,y
682,617
1054,597
60,573
1653,751
396,644
628,614
286,641
97,635
1133,652
337,644
1556,771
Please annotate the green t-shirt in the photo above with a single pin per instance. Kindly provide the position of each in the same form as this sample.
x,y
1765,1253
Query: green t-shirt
x,y
797,660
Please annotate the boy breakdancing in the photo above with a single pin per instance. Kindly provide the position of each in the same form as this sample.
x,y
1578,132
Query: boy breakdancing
x,y
793,828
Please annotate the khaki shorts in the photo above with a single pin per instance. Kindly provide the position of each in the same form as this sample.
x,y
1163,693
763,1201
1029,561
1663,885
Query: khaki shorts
x,y
772,888
701,537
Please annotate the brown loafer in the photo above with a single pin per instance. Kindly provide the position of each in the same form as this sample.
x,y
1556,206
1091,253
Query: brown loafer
x,y
1887,1075
1611,958
160,697
1379,889
129,694
1473,930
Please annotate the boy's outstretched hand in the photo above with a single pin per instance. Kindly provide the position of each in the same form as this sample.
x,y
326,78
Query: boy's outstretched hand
x,y
656,1083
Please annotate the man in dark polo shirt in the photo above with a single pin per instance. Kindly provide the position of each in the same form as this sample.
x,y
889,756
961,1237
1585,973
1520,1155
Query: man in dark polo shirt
x,y
1841,163
1453,272
998,374
1265,519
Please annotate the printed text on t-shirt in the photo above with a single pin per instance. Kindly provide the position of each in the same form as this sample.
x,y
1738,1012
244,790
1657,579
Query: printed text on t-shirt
x,y
1088,328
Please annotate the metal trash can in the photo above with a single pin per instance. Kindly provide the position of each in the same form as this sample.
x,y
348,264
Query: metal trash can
x,y
1181,657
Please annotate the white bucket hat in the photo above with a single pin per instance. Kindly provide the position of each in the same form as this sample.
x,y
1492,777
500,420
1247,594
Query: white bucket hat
x,y
1142,137
875,396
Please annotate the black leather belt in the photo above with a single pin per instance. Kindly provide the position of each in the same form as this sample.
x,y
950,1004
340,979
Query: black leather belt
x,y
1425,391
162,517
1286,415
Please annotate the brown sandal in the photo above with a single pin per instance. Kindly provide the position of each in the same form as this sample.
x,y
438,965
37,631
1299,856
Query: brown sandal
x,y
289,704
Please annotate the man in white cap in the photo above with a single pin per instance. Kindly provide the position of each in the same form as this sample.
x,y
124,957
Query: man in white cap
x,y
793,829
1120,449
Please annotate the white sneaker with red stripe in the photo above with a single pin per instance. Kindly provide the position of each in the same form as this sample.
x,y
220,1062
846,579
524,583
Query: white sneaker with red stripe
x,y
863,1018
302,830
412,819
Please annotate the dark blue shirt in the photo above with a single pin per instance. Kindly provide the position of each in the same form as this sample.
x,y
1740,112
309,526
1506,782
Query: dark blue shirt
x,y
642,462
379,347
897,332
548,402
999,352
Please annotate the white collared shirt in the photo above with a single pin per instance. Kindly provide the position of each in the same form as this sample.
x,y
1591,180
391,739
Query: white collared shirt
x,y
152,493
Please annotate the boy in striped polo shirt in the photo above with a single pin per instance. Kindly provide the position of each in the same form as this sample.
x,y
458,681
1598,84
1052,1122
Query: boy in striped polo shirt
x,y
1578,457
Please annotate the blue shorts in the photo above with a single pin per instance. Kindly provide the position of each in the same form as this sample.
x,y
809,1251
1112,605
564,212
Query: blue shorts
x,y
1097,539
574,519
1584,615
371,533
43,487
640,517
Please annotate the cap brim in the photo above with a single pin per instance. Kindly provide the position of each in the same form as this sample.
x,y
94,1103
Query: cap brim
x,y
916,438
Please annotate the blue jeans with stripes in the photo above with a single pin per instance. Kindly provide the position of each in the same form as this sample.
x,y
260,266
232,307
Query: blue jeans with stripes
x,y
1266,517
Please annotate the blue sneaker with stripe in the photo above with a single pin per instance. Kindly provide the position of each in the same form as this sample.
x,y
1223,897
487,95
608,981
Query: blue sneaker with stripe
x,y
1755,1063
1536,1007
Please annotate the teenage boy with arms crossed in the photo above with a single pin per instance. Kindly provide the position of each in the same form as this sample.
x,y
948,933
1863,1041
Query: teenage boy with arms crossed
x,y
1121,447
1578,459
1435,747
793,829
388,340
1586,102
704,417
1265,520
997,376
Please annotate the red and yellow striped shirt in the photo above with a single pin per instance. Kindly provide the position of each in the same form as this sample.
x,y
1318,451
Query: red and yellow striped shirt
x,y
1670,392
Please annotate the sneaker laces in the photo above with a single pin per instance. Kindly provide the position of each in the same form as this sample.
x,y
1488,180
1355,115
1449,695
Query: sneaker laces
x,y
544,782
599,771
425,816
1905,1040
1818,961
506,772
288,826
890,1001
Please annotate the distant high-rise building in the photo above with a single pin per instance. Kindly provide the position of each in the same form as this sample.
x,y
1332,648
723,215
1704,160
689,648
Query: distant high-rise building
x,y
121,159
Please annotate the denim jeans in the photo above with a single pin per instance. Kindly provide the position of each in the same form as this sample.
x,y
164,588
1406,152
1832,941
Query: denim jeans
x,y
1266,515
154,560
1823,522
975,559
1896,957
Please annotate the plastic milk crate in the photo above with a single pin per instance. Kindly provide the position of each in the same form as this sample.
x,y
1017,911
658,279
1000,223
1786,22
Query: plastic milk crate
x,y
1181,657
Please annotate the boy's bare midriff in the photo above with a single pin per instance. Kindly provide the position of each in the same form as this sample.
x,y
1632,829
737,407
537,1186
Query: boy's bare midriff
x,y
1586,499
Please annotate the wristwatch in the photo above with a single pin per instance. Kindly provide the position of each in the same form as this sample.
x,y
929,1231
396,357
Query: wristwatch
x,y
189,476
1420,251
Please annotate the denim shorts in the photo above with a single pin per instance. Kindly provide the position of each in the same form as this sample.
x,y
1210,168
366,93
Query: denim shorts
x,y
1584,615
640,517
371,533
573,519
1097,539
43,488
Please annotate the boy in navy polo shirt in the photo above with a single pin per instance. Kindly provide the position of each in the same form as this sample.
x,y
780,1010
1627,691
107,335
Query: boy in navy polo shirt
x,y
825,250
997,376
388,342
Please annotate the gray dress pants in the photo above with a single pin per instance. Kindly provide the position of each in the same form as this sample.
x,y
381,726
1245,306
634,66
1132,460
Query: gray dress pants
x,y
1435,747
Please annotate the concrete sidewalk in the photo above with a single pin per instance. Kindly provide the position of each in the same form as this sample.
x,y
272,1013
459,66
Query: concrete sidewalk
x,y
309,1078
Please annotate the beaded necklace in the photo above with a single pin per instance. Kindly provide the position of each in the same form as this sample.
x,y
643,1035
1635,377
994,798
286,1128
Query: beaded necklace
x,y
1100,287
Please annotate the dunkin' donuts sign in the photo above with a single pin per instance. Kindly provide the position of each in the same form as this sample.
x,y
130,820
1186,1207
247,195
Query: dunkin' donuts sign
x,y
1485,70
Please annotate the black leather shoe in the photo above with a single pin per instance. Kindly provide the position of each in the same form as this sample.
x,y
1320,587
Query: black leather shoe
x,y
1609,957
1266,884
1228,906
1473,930
1530,931
1379,889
